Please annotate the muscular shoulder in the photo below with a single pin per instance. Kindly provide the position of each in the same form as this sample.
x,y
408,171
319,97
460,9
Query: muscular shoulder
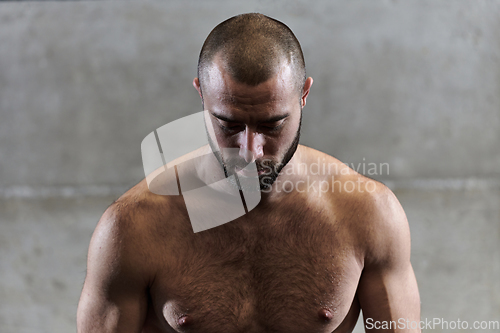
x,y
128,232
379,223
119,239
369,208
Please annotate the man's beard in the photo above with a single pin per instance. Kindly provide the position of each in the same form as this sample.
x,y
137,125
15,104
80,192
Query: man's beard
x,y
271,169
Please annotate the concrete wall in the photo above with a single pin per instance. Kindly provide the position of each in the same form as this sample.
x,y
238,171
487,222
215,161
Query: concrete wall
x,y
415,84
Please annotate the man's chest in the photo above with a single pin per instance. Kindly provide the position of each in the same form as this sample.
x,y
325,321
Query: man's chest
x,y
296,273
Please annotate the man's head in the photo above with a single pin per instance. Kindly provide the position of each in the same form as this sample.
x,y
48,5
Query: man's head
x,y
252,46
251,78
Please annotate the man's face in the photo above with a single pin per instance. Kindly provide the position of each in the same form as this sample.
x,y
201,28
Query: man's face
x,y
262,121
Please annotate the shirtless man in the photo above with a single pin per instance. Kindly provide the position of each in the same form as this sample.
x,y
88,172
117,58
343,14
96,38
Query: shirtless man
x,y
304,260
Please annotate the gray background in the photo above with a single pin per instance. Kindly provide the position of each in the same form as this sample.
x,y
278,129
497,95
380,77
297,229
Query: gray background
x,y
415,84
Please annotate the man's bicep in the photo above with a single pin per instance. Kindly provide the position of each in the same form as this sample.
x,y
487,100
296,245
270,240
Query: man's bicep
x,y
387,290
97,312
114,295
389,298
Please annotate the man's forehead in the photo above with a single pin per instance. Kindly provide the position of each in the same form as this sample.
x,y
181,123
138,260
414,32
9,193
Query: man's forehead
x,y
226,89
248,97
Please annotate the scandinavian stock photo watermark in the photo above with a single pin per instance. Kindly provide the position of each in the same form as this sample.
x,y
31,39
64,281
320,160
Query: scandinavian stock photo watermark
x,y
432,324
322,177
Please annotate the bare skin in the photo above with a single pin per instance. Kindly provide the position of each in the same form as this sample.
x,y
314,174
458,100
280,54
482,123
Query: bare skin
x,y
301,261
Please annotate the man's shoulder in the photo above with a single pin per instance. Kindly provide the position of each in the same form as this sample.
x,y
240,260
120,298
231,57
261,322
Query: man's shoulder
x,y
375,204
141,215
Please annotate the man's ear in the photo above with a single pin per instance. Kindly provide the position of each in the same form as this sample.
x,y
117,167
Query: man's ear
x,y
305,91
196,85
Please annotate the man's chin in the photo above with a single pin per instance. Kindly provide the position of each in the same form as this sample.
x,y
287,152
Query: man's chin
x,y
266,181
250,183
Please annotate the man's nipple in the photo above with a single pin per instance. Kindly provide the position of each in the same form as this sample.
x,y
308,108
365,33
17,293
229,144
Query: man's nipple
x,y
325,314
184,321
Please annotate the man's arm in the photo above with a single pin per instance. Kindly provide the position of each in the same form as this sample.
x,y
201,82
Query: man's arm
x,y
387,290
114,296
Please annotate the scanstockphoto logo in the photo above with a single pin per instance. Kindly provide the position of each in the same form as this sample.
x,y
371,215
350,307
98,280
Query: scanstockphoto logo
x,y
179,159
432,324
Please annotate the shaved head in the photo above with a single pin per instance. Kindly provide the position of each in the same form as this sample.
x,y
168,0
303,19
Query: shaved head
x,y
253,48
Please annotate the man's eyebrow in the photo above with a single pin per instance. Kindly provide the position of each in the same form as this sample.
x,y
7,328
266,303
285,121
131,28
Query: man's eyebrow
x,y
269,120
223,118
276,118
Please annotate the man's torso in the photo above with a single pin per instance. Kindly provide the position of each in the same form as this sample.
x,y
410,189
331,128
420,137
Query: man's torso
x,y
292,265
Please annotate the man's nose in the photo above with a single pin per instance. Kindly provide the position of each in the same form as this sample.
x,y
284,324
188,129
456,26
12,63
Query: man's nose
x,y
251,145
